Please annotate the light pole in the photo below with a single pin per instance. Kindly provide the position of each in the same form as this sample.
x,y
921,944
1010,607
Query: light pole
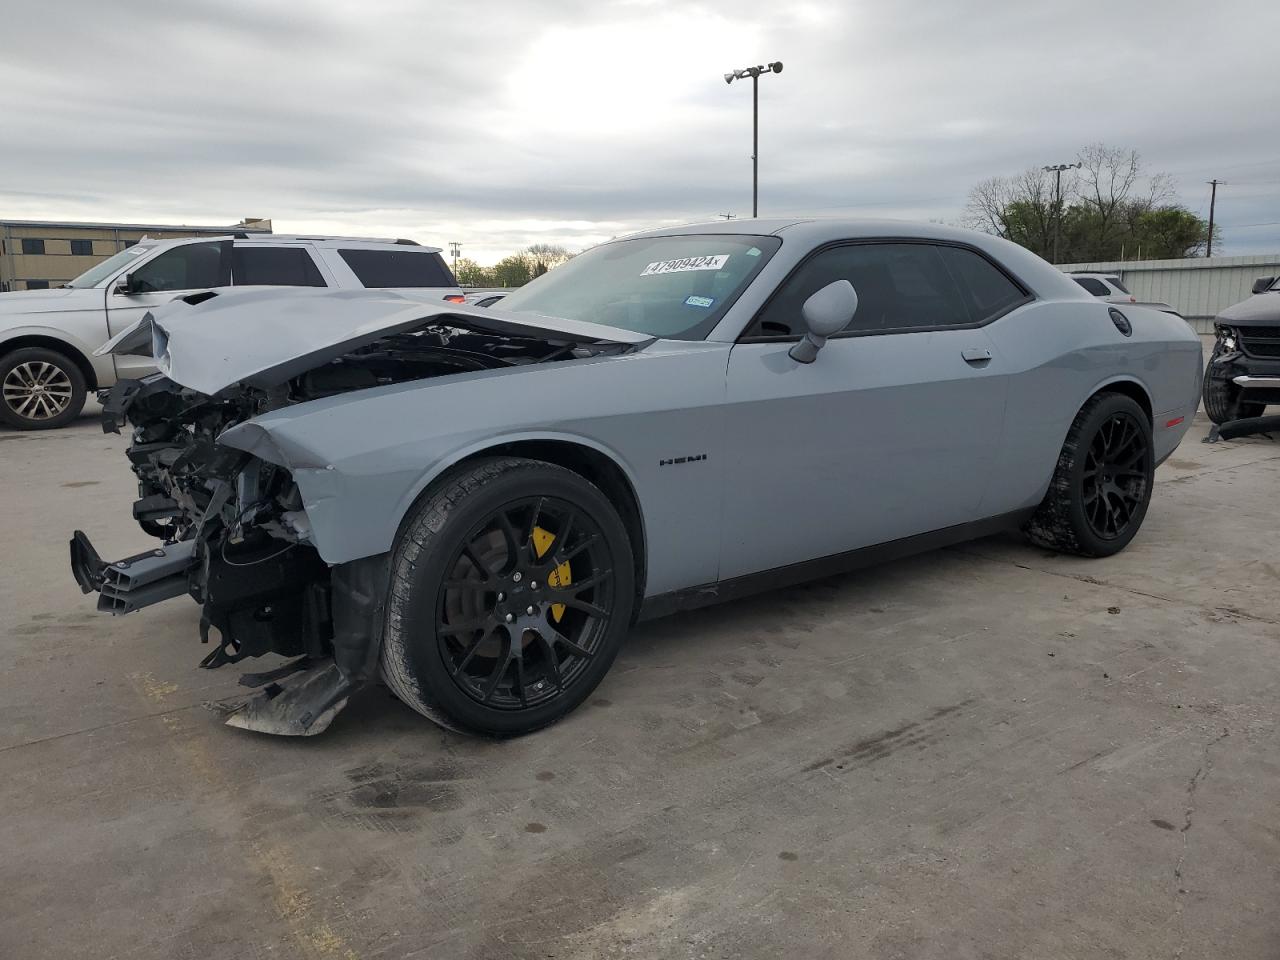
x,y
1056,169
455,248
1214,184
754,74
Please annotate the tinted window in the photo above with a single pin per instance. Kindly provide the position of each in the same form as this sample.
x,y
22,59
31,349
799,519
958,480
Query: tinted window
x,y
1095,287
190,267
37,284
32,247
398,268
82,248
1115,282
278,266
990,290
900,286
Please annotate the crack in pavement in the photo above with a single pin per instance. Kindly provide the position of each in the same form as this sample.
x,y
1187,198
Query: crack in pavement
x,y
1094,581
1201,774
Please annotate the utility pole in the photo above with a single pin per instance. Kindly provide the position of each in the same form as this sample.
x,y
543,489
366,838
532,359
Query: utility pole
x,y
754,74
1056,169
1213,198
455,248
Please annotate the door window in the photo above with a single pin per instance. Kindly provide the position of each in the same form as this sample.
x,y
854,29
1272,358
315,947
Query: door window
x,y
189,267
274,266
900,287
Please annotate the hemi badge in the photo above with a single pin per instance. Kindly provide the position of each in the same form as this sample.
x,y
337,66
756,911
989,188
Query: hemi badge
x,y
1175,422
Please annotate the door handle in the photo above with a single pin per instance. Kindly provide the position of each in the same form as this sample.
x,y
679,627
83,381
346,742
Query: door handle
x,y
978,356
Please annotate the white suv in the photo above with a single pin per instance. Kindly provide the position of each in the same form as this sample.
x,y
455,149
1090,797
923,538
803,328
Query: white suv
x,y
47,337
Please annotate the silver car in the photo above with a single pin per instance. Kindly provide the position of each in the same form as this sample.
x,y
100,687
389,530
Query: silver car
x,y
476,504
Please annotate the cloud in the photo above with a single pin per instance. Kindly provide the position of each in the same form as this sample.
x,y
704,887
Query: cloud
x,y
500,124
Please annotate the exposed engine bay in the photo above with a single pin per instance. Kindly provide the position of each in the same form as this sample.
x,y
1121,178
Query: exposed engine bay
x,y
234,531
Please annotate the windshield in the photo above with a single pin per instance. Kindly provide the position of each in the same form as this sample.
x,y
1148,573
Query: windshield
x,y
95,275
672,287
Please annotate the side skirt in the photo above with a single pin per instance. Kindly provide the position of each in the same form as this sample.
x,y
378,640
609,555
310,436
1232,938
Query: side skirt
x,y
690,598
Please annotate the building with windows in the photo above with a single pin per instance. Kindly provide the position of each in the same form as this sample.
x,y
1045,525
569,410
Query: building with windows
x,y
38,254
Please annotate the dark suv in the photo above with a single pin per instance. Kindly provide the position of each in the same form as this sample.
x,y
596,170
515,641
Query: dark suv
x,y
1244,369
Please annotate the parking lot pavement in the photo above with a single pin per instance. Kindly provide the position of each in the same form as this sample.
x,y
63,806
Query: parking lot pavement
x,y
986,751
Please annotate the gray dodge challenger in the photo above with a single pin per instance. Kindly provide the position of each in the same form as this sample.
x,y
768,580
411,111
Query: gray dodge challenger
x,y
475,505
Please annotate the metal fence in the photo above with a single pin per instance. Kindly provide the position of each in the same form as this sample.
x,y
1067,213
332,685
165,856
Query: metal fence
x,y
1198,288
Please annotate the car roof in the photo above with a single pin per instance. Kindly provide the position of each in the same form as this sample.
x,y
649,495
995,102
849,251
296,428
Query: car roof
x,y
810,232
275,239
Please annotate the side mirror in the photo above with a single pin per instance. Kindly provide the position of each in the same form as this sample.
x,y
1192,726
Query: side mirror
x,y
125,286
825,314
1263,284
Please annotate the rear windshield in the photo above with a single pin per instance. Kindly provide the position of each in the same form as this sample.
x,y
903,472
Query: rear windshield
x,y
1115,282
398,268
675,287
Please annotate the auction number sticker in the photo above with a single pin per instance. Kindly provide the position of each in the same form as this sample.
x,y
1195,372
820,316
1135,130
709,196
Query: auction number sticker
x,y
685,264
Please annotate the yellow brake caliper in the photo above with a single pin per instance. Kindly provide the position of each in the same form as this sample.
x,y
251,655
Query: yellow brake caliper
x,y
561,576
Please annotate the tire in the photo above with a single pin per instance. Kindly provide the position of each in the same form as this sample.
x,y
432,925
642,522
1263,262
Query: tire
x,y
466,604
40,389
1222,398
1094,486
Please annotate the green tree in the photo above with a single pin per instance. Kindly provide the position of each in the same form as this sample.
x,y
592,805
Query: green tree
x,y
471,274
1110,210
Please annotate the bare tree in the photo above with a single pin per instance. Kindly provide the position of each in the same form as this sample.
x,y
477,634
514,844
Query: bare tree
x,y
1020,208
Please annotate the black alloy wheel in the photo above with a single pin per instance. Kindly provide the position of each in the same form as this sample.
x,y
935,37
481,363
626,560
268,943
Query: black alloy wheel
x,y
1101,487
512,589
528,599
1115,479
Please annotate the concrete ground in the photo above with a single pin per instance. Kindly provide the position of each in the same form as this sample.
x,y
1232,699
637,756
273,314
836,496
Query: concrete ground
x,y
984,752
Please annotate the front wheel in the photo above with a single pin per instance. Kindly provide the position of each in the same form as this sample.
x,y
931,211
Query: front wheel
x,y
40,389
512,590
1100,490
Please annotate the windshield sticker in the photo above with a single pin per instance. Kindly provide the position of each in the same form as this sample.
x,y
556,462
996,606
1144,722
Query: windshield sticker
x,y
684,265
753,252
699,301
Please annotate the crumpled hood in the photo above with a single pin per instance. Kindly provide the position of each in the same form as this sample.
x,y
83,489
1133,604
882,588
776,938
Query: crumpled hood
x,y
265,336
1261,310
49,301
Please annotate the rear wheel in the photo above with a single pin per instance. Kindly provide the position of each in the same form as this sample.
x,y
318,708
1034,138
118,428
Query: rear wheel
x,y
1100,490
512,589
1223,399
40,389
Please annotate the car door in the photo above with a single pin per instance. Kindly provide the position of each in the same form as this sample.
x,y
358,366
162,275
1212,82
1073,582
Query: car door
x,y
172,273
891,432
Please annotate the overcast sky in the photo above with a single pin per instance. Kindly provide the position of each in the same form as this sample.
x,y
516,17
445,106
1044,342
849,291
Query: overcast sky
x,y
502,124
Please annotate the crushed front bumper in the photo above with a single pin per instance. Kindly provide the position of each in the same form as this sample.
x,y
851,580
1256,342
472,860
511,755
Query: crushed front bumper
x,y
335,634
134,582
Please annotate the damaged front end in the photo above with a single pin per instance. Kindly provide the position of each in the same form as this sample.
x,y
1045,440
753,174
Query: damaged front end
x,y
234,532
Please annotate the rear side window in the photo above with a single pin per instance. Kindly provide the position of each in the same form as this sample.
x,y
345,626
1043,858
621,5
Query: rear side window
x,y
1095,287
398,268
991,291
275,266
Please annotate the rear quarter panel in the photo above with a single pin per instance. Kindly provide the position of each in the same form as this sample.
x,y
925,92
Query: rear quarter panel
x,y
1058,354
